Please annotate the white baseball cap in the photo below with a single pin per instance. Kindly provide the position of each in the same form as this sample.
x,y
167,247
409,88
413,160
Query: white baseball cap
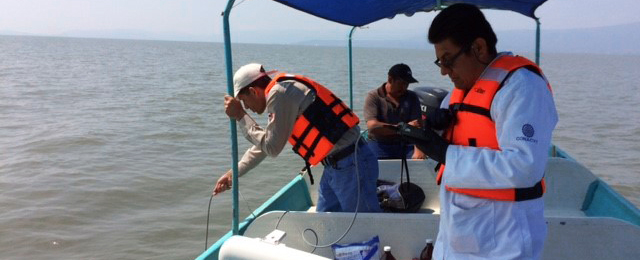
x,y
247,74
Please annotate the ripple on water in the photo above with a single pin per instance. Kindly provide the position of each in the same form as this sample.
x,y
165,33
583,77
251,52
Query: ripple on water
x,y
109,149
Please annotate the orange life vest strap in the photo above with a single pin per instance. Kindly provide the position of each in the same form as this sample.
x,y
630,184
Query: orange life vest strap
x,y
299,142
321,124
517,194
474,126
461,107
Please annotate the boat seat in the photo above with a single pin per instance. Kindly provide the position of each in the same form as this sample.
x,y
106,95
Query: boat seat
x,y
421,173
590,238
392,229
567,185
567,237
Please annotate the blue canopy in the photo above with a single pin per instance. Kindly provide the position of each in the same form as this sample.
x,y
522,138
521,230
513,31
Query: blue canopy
x,y
362,12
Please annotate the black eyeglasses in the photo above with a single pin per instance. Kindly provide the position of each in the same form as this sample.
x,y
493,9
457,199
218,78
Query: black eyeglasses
x,y
448,63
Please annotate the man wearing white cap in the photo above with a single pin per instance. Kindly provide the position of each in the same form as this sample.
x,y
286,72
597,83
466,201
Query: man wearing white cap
x,y
319,126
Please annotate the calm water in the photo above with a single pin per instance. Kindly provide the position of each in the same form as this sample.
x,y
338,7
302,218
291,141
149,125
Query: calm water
x,y
109,149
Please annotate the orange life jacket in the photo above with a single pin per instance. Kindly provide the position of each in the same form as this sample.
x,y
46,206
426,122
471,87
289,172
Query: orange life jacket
x,y
473,125
321,124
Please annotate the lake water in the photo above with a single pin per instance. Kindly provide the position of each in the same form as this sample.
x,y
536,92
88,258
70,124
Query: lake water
x,y
109,149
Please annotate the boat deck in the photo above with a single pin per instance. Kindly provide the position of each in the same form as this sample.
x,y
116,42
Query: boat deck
x,y
572,233
568,237
568,184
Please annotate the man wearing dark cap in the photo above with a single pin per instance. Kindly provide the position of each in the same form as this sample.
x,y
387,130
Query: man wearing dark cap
x,y
391,104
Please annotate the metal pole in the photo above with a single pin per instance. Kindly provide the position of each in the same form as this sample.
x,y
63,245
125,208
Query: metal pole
x,y
351,70
538,41
232,122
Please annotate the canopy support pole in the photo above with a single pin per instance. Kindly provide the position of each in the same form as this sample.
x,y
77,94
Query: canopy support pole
x,y
232,122
351,69
538,41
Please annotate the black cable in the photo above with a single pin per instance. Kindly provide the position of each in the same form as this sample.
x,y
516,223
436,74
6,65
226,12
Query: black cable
x,y
206,241
308,229
206,238
279,219
247,203
317,240
355,214
403,156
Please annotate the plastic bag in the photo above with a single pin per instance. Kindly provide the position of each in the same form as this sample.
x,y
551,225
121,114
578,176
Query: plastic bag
x,y
406,197
367,250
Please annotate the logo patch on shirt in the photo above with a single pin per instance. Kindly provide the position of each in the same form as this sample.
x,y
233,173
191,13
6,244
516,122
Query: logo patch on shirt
x,y
528,132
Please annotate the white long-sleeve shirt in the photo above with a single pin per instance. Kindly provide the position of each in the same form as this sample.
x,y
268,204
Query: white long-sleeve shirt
x,y
473,228
285,102
523,101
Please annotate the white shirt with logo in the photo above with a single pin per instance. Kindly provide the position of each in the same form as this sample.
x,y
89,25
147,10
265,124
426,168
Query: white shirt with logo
x,y
472,228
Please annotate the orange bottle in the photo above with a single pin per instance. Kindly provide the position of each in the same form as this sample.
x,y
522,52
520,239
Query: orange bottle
x,y
387,254
427,252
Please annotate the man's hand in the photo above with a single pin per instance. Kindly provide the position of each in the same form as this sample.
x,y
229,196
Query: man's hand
x,y
380,131
233,107
418,155
224,183
415,123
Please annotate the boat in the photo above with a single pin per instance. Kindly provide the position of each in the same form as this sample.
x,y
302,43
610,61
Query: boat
x,y
586,218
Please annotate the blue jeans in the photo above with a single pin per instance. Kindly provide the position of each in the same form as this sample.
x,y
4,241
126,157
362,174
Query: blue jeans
x,y
338,190
390,151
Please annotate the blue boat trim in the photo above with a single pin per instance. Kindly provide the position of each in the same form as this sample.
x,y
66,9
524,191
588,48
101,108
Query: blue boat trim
x,y
232,122
601,201
292,197
555,151
604,201
588,199
350,51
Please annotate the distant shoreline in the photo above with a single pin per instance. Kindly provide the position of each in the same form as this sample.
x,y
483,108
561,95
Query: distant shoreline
x,y
604,40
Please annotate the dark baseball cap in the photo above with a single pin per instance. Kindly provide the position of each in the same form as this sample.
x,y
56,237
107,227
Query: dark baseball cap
x,y
402,71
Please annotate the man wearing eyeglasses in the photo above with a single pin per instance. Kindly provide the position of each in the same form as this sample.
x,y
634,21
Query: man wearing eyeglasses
x,y
493,151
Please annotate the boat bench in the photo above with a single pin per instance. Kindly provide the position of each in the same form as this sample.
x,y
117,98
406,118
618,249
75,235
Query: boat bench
x,y
570,230
567,237
567,183
590,238
421,173
405,233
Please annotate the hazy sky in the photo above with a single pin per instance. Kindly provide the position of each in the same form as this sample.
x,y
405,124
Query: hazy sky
x,y
202,17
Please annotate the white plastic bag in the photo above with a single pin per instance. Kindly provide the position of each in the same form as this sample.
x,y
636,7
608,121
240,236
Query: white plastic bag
x,y
367,250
